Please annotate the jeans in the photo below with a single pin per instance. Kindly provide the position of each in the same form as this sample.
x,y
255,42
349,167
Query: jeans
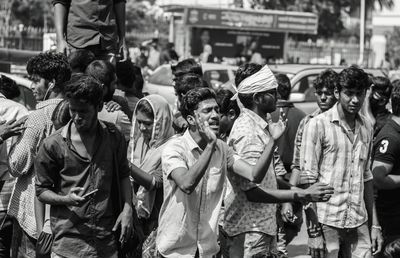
x,y
353,242
251,244
23,246
6,232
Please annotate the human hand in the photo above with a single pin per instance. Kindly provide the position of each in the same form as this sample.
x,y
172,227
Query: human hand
x,y
316,247
318,192
287,212
112,106
73,198
62,47
377,240
123,51
204,130
277,129
12,128
124,221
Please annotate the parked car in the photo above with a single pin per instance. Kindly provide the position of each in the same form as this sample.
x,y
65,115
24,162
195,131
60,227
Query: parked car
x,y
26,96
302,78
160,82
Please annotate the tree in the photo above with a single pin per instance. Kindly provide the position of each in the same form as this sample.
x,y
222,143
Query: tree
x,y
31,12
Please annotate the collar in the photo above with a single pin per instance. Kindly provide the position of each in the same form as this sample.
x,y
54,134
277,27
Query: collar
x,y
337,116
284,103
190,141
316,113
2,96
66,130
256,118
48,102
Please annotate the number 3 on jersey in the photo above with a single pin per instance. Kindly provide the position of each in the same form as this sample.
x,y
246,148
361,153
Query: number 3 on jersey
x,y
384,146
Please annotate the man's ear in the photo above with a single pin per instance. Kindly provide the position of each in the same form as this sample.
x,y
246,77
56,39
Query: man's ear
x,y
256,98
191,120
336,93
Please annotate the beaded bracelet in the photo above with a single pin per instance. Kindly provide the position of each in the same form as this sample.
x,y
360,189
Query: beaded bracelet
x,y
314,232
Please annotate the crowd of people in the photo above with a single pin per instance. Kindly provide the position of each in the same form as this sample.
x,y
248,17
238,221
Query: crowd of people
x,y
99,170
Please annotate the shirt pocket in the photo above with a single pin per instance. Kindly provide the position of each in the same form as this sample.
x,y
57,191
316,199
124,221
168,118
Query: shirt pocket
x,y
215,180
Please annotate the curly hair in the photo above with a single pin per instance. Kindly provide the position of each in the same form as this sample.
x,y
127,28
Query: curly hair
x,y
8,87
244,71
191,100
327,78
50,66
186,66
84,88
353,78
79,59
223,98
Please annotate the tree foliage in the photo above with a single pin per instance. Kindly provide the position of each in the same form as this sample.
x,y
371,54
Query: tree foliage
x,y
329,11
32,12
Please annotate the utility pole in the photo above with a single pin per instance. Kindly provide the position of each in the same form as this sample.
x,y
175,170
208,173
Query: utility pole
x,y
362,32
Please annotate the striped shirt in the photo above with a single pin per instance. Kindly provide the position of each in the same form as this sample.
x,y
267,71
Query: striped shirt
x,y
297,143
333,155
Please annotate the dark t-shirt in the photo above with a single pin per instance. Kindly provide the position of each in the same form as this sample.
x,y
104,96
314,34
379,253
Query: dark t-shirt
x,y
387,150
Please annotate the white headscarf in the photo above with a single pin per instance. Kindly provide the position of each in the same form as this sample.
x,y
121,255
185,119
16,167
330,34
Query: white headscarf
x,y
261,81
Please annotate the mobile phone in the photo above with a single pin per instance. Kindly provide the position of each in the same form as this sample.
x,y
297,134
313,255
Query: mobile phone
x,y
90,193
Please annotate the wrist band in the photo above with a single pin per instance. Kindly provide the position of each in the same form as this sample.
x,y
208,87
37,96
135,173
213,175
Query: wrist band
x,y
377,227
314,232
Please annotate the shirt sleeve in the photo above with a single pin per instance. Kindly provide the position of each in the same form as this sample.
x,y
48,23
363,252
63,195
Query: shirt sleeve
x,y
367,172
47,167
172,158
123,164
278,164
22,154
386,149
124,124
297,145
310,153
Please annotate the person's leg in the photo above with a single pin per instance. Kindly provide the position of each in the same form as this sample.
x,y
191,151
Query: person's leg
x,y
361,242
331,236
6,231
282,239
235,245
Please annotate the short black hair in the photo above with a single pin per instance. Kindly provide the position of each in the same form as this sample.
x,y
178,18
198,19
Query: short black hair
x,y
186,66
284,86
8,87
79,59
382,85
61,115
244,71
223,98
192,98
130,75
188,82
50,66
102,70
85,88
395,98
327,78
353,78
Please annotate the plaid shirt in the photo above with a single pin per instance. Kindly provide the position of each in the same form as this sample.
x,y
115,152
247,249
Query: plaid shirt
x,y
248,138
297,143
332,154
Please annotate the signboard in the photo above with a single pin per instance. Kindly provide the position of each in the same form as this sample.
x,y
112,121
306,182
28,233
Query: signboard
x,y
279,21
238,43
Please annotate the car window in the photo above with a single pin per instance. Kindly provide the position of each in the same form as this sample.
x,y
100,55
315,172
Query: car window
x,y
162,76
216,77
305,85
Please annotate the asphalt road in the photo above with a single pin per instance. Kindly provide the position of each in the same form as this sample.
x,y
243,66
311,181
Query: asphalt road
x,y
298,247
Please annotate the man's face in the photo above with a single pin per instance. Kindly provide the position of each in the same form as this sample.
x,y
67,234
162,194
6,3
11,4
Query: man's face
x,y
325,98
208,110
266,101
145,123
39,87
84,115
351,100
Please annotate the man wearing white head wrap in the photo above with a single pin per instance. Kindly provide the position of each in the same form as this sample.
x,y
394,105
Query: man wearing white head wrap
x,y
250,212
